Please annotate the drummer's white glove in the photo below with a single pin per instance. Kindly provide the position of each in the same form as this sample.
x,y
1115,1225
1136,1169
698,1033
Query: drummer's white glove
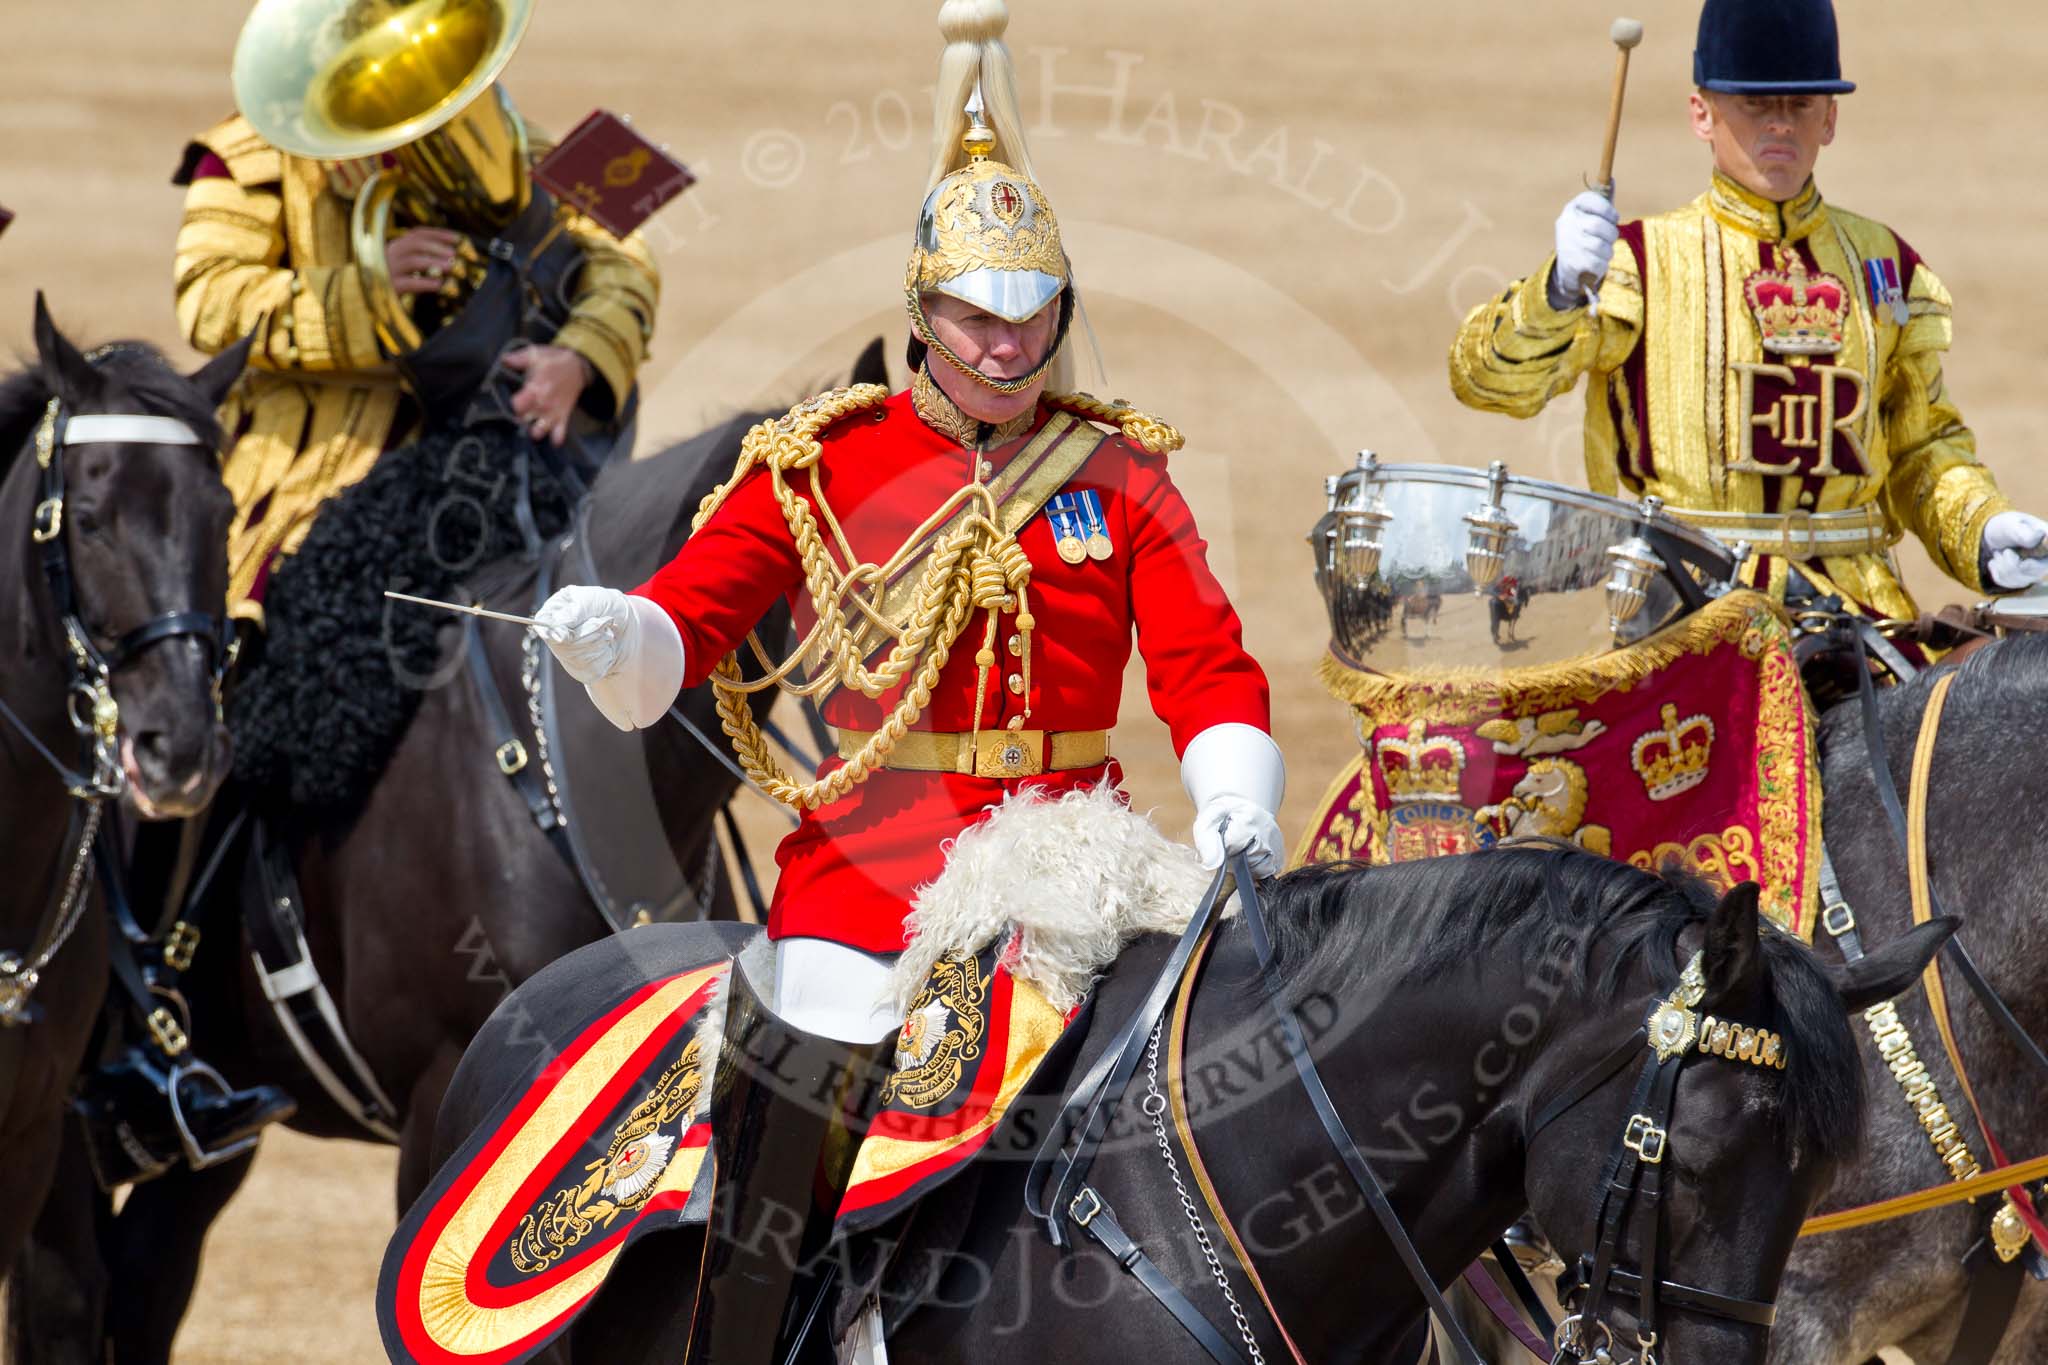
x,y
1586,233
2008,537
1234,775
625,650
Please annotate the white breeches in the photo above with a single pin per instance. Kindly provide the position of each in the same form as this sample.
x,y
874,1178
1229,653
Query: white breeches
x,y
833,990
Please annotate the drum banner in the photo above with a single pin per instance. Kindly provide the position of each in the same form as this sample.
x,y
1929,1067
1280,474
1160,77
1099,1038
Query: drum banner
x,y
606,1143
1694,746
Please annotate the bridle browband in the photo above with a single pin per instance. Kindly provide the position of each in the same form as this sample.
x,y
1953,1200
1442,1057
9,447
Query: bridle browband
x,y
1056,1189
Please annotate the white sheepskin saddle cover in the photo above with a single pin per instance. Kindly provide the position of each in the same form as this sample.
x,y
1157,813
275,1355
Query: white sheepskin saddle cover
x,y
1066,880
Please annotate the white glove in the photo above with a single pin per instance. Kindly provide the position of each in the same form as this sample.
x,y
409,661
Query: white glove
x,y
2007,538
586,628
1235,776
1586,233
625,650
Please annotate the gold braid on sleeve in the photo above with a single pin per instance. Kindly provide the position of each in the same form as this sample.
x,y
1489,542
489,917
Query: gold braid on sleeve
x,y
973,564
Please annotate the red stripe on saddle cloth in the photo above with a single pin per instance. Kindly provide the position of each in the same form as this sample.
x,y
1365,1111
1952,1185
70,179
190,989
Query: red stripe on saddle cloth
x,y
482,1292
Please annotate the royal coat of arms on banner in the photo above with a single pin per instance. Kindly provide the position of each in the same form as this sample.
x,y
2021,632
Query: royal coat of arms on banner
x,y
1694,746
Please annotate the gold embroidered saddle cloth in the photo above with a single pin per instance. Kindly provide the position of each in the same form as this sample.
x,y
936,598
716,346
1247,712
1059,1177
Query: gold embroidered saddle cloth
x,y
587,1093
606,1136
1694,745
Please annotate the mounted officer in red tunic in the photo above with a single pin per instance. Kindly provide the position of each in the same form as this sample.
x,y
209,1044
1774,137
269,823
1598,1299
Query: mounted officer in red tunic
x,y
968,561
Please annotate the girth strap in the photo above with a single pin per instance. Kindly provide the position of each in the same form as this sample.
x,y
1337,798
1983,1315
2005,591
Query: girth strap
x,y
298,997
1093,1216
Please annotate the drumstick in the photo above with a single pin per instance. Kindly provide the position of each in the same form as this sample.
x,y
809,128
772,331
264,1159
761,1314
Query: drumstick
x,y
1626,34
466,611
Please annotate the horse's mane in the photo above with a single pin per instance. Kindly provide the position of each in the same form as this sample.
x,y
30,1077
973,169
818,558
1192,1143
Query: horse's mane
x,y
1419,920
136,367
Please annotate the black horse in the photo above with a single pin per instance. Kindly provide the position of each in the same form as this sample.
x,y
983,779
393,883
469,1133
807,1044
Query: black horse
x,y
1456,1006
1847,1294
422,912
1504,608
134,536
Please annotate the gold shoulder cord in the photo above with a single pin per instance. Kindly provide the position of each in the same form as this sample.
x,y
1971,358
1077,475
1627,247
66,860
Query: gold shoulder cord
x,y
975,564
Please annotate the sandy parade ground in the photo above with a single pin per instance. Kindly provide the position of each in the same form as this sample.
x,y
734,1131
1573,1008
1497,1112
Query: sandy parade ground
x,y
1277,212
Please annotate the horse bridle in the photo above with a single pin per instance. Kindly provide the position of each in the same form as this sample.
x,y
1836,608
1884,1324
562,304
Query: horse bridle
x,y
1631,1181
89,699
1056,1188
94,714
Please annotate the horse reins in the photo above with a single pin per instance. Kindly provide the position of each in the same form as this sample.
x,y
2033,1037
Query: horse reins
x,y
1631,1182
94,715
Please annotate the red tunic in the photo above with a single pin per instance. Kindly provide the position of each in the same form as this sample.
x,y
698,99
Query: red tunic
x,y
849,871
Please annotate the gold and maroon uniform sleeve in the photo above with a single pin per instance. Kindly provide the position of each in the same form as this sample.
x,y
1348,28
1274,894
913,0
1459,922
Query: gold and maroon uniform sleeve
x,y
611,317
1197,672
1935,486
233,278
726,576
1515,353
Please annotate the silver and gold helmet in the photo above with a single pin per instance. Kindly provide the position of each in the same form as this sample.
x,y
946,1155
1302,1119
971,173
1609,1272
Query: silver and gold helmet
x,y
987,236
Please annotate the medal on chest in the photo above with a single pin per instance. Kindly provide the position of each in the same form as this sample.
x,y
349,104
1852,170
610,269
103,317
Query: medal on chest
x,y
1066,527
1886,289
1799,414
1079,526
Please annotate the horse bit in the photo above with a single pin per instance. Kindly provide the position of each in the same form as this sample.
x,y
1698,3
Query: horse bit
x,y
94,715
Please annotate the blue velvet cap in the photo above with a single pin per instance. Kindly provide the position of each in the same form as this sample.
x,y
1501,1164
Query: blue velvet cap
x,y
1769,47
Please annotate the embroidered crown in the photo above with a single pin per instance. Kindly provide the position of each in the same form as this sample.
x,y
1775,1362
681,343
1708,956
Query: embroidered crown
x,y
1798,313
1674,759
1421,767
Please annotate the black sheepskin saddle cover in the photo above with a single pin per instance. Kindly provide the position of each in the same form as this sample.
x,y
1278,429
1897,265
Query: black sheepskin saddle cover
x,y
342,671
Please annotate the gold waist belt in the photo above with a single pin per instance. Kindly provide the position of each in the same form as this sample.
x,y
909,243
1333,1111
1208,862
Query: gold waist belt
x,y
1000,753
1797,535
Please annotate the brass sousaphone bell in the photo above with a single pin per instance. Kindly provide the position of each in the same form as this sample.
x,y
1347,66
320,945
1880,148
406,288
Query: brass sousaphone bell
x,y
341,80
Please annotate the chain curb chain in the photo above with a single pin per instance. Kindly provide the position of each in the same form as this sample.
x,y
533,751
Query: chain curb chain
x,y
1154,1107
529,679
18,979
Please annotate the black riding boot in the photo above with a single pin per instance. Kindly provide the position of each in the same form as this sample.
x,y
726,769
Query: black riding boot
x,y
789,1110
142,1113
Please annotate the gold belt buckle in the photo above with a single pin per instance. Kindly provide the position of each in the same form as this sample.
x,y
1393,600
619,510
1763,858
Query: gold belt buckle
x,y
1010,753
1797,526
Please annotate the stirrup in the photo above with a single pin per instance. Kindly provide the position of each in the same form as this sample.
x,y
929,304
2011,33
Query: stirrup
x,y
251,1111
141,1116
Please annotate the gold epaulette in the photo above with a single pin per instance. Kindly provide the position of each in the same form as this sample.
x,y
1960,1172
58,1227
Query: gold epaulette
x,y
1145,431
250,160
